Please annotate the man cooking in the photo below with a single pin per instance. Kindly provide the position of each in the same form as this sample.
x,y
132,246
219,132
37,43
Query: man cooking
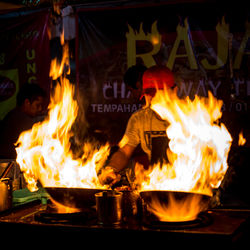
x,y
144,127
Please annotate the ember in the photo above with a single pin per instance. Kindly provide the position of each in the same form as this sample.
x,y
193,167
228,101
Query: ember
x,y
241,140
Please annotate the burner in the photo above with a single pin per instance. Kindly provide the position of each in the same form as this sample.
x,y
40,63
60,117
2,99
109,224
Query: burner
x,y
203,219
50,215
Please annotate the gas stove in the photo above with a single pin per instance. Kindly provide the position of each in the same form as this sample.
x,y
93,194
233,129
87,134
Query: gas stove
x,y
224,225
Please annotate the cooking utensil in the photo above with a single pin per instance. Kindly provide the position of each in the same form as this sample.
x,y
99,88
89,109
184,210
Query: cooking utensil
x,y
131,205
73,197
163,196
166,197
7,170
109,207
5,194
6,188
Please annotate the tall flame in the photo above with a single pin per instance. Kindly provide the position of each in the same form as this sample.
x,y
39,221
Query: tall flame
x,y
198,147
44,152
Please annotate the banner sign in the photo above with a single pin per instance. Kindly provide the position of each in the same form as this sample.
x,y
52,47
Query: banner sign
x,y
24,54
207,50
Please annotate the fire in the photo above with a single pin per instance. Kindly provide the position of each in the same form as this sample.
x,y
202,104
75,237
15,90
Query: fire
x,y
177,210
60,208
44,152
242,140
198,150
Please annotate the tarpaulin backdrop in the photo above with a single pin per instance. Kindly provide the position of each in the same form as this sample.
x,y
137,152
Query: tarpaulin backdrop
x,y
193,39
24,54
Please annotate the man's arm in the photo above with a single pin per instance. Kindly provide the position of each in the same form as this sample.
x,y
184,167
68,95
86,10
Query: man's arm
x,y
120,158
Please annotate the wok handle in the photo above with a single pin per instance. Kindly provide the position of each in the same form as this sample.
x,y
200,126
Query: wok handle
x,y
7,170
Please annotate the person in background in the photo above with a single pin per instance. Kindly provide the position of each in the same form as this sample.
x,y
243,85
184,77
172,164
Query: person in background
x,y
144,127
133,80
30,102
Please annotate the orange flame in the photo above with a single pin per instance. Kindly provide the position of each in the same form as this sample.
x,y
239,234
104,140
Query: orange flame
x,y
62,208
241,140
198,149
177,210
44,152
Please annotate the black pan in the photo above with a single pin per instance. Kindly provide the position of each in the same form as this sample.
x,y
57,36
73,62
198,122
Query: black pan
x,y
164,198
73,197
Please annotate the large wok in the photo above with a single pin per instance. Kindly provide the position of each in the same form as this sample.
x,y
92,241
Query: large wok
x,y
165,197
73,197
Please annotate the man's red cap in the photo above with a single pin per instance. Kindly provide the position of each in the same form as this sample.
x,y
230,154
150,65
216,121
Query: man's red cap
x,y
157,77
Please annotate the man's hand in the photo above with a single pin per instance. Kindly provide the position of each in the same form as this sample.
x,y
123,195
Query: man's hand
x,y
119,160
108,176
